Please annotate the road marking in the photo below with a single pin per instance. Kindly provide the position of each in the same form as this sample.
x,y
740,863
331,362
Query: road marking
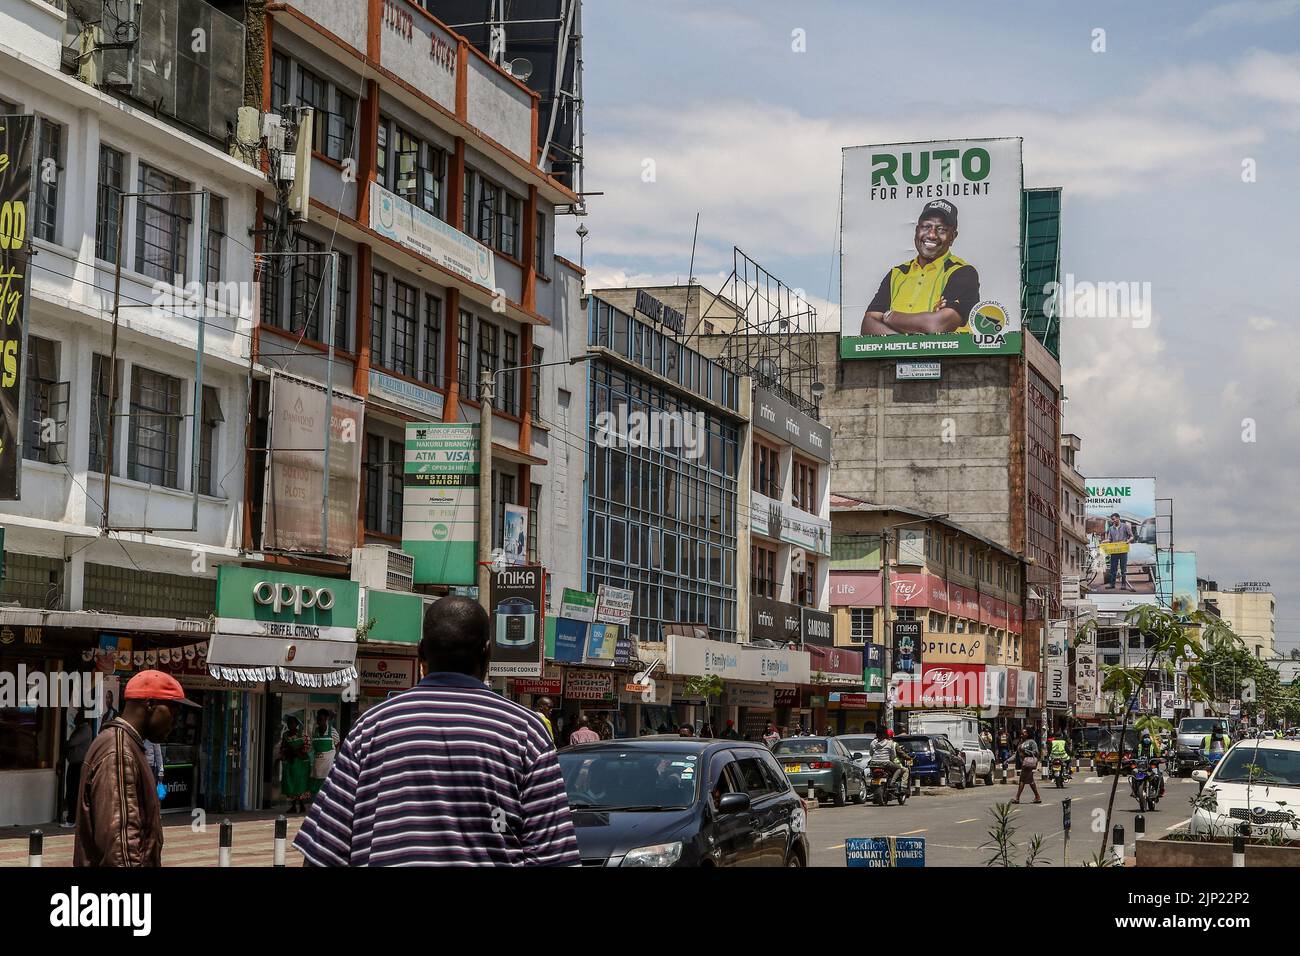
x,y
838,846
912,832
971,820
1182,824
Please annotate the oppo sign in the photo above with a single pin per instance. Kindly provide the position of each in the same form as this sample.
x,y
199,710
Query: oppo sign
x,y
280,596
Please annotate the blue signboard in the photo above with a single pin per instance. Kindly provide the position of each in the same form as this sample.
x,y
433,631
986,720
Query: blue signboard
x,y
885,851
570,637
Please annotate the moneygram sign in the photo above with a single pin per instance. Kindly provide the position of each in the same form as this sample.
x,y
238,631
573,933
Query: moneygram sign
x,y
931,249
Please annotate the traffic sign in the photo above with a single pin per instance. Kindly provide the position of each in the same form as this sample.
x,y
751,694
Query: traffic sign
x,y
884,852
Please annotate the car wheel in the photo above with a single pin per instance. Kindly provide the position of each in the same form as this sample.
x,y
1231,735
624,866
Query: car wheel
x,y
862,794
794,860
961,779
970,776
842,795
988,777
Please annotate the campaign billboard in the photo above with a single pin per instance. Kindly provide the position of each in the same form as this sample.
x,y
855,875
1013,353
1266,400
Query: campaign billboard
x,y
930,249
1120,522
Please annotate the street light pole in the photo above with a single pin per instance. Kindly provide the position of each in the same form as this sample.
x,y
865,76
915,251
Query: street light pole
x,y
886,592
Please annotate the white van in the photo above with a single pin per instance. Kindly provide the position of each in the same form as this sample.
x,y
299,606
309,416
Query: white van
x,y
963,732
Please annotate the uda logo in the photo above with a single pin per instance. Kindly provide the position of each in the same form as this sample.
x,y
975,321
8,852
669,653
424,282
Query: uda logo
x,y
988,322
484,263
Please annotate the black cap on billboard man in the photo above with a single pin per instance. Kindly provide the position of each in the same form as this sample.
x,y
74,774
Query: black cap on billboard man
x,y
932,293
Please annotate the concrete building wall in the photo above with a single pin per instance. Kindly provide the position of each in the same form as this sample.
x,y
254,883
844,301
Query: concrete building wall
x,y
1251,615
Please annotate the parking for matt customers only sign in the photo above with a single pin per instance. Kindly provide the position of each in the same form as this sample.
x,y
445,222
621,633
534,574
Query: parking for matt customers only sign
x,y
884,852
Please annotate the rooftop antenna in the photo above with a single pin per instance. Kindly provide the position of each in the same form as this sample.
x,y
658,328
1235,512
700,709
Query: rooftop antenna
x,y
690,273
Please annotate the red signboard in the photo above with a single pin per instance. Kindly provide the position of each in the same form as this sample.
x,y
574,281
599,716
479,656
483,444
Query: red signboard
x,y
537,685
1013,684
855,702
944,685
834,660
856,589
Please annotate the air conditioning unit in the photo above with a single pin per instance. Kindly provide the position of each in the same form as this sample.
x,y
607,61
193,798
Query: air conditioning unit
x,y
383,568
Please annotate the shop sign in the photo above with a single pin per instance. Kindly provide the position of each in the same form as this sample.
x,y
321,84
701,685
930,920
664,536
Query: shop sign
x,y
1057,688
909,642
818,628
1027,689
663,693
953,648
614,605
691,657
404,394
944,685
548,686
774,620
778,418
440,501
17,217
741,695
518,616
257,602
589,685
385,673
884,852
394,617
785,696
570,640
578,605
816,702
774,519
853,701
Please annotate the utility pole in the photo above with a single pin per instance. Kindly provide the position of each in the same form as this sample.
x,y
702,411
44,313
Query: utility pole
x,y
486,385
886,630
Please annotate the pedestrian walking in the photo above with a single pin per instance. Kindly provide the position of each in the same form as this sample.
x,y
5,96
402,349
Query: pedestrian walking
x,y
604,728
324,746
1027,758
584,734
295,766
78,744
447,772
119,818
770,735
730,732
542,708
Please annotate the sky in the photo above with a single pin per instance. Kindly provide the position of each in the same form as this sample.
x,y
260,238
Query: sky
x,y
1173,128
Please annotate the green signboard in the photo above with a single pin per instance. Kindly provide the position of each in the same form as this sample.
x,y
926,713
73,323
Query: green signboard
x,y
394,617
265,603
440,502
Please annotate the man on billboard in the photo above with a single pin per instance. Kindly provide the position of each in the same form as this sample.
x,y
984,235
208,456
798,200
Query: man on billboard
x,y
1118,536
932,293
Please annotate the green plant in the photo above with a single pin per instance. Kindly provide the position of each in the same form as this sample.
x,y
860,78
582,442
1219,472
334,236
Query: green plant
x,y
1002,840
363,630
709,687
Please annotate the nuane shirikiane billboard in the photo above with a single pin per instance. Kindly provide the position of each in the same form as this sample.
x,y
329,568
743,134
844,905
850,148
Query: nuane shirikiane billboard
x,y
930,249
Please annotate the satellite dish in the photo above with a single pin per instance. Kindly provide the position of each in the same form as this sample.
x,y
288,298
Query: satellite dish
x,y
521,69
768,369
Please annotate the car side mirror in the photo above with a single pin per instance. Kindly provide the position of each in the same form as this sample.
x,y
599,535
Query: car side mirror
x,y
734,803
857,755
1201,775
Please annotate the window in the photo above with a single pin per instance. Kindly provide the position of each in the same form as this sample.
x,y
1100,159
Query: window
x,y
861,621
99,420
211,418
339,127
510,380
374,483
489,345
216,236
803,584
767,470
433,341
535,399
153,448
378,316
752,777
485,217
396,479
503,494
314,92
411,168
804,492
491,215
162,226
763,577
534,512
539,245
343,302
112,169
306,289
465,355
280,65
46,403
511,214
405,328
49,174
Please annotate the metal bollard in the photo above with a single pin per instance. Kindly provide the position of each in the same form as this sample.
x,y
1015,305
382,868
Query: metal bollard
x,y
281,837
227,841
1002,773
1238,851
812,794
1117,844
35,847
1139,830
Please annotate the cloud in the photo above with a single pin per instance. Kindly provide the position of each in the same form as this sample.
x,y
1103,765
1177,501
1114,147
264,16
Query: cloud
x,y
1243,13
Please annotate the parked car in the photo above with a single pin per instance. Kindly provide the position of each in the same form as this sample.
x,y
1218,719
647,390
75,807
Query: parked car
x,y
679,801
1188,752
963,732
859,744
934,759
1257,783
823,768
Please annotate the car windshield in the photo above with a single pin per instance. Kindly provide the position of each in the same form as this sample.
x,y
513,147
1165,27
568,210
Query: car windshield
x,y
857,744
915,744
1260,765
630,779
801,745
1088,735
1199,725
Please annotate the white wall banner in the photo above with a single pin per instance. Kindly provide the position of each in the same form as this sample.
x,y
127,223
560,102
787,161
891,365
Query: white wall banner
x,y
784,522
690,657
1057,689
394,218
1085,677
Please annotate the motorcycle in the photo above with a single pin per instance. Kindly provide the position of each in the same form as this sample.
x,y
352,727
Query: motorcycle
x,y
882,788
1144,780
1059,772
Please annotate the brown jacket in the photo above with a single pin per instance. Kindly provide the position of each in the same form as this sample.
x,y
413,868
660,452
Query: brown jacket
x,y
119,821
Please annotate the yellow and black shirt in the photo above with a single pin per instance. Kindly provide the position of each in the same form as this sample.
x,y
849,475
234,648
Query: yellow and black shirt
x,y
912,287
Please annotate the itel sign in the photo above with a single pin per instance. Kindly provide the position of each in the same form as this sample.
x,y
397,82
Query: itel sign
x,y
944,685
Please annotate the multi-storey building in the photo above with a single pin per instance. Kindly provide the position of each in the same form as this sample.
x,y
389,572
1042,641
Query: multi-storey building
x,y
132,479
1250,609
1074,495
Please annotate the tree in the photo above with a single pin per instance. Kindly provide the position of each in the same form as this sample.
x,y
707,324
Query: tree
x,y
1295,653
1169,640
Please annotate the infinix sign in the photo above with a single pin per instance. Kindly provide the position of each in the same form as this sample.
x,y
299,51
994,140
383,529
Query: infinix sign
x,y
781,420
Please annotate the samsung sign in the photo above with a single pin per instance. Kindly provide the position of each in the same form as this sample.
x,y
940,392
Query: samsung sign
x,y
782,421
818,628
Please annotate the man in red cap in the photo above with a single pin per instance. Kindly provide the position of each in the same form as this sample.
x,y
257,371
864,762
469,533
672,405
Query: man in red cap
x,y
119,820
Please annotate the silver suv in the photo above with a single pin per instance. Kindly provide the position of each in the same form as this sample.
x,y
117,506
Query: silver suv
x,y
1188,753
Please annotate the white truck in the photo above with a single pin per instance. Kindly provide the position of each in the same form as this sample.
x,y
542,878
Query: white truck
x,y
963,732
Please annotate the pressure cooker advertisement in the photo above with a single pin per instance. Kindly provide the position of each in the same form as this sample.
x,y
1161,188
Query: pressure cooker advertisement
x,y
517,597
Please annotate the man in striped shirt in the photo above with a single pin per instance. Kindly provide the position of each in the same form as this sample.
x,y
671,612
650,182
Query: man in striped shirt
x,y
447,772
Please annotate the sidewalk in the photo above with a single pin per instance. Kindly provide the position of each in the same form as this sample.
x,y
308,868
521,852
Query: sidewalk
x,y
254,841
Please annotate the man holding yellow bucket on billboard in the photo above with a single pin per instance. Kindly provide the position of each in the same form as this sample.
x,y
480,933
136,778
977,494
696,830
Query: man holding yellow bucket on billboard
x,y
1115,546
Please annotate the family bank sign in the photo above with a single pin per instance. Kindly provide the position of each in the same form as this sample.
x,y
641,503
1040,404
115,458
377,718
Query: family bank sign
x,y
693,657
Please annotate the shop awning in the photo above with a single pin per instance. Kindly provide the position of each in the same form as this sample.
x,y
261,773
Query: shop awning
x,y
306,663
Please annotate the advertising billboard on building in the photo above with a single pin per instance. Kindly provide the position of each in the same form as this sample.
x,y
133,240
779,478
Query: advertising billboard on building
x,y
518,622
295,485
1177,580
440,502
17,134
1120,522
930,249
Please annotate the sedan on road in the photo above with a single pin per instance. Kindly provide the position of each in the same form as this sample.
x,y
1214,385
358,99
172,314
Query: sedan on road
x,y
823,768
934,759
679,801
1257,784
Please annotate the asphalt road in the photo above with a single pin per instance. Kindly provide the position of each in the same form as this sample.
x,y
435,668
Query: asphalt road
x,y
955,822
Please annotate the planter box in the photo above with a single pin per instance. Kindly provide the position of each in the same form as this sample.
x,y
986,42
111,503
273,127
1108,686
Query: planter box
x,y
1167,852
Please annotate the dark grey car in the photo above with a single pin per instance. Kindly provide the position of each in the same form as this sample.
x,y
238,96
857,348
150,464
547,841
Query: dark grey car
x,y
824,766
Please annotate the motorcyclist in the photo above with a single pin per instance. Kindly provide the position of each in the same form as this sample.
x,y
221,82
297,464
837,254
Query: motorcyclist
x,y
1149,748
1059,751
885,750
1215,742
